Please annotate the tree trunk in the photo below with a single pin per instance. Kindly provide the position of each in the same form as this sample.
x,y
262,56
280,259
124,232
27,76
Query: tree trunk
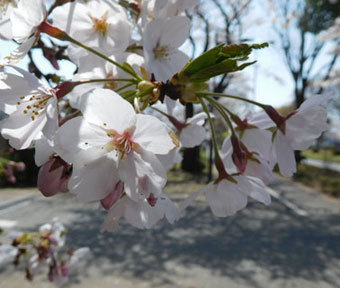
x,y
299,99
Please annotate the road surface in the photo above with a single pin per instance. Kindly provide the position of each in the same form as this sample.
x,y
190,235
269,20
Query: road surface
x,y
295,242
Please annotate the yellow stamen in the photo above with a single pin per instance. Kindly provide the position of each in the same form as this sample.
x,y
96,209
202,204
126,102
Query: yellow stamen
x,y
100,25
161,52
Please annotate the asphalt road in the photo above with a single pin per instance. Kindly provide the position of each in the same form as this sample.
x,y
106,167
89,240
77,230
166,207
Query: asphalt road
x,y
293,243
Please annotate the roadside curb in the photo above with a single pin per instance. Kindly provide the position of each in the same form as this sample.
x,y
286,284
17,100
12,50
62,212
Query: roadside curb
x,y
6,204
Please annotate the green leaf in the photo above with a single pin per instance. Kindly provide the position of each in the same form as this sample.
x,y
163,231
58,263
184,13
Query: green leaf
x,y
226,66
206,59
219,60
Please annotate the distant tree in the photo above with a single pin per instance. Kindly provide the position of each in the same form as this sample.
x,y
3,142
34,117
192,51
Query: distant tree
x,y
331,85
297,24
215,22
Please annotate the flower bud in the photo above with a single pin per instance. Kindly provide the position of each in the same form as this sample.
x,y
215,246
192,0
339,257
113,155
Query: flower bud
x,y
52,176
20,166
113,197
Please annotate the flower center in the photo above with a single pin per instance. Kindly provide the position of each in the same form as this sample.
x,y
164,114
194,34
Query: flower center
x,y
34,104
161,52
100,25
122,143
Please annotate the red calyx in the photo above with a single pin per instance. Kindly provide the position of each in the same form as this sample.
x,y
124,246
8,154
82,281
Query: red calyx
x,y
52,31
64,88
278,119
238,156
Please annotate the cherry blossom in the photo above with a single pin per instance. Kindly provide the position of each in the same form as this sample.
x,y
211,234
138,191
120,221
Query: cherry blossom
x,y
162,9
43,247
259,164
97,23
116,143
141,214
34,103
25,20
225,198
161,40
297,131
104,135
6,8
102,70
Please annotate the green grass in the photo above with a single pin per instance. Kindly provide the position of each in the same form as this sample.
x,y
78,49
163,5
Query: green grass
x,y
323,155
323,180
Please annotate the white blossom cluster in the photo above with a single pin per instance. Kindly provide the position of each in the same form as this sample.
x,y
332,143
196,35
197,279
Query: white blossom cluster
x,y
43,248
105,136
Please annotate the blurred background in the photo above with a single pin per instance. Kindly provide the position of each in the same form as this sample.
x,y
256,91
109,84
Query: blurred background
x,y
294,243
302,60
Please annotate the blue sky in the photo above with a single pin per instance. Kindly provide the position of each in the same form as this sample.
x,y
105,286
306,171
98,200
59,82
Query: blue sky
x,y
268,89
270,78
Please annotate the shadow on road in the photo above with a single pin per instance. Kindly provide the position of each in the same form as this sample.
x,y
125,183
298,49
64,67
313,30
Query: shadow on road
x,y
276,239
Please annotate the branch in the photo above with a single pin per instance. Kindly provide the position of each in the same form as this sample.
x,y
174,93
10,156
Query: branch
x,y
329,70
207,31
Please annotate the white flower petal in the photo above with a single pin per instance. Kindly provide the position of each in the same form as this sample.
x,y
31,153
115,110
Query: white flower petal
x,y
304,127
94,181
141,215
142,174
192,135
259,191
285,155
152,34
80,142
198,119
152,135
43,150
175,31
20,52
104,106
225,198
111,221
20,130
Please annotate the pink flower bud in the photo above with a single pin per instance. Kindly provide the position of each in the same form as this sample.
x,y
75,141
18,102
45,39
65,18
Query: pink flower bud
x,y
9,171
12,179
20,166
10,175
51,177
113,197
63,184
